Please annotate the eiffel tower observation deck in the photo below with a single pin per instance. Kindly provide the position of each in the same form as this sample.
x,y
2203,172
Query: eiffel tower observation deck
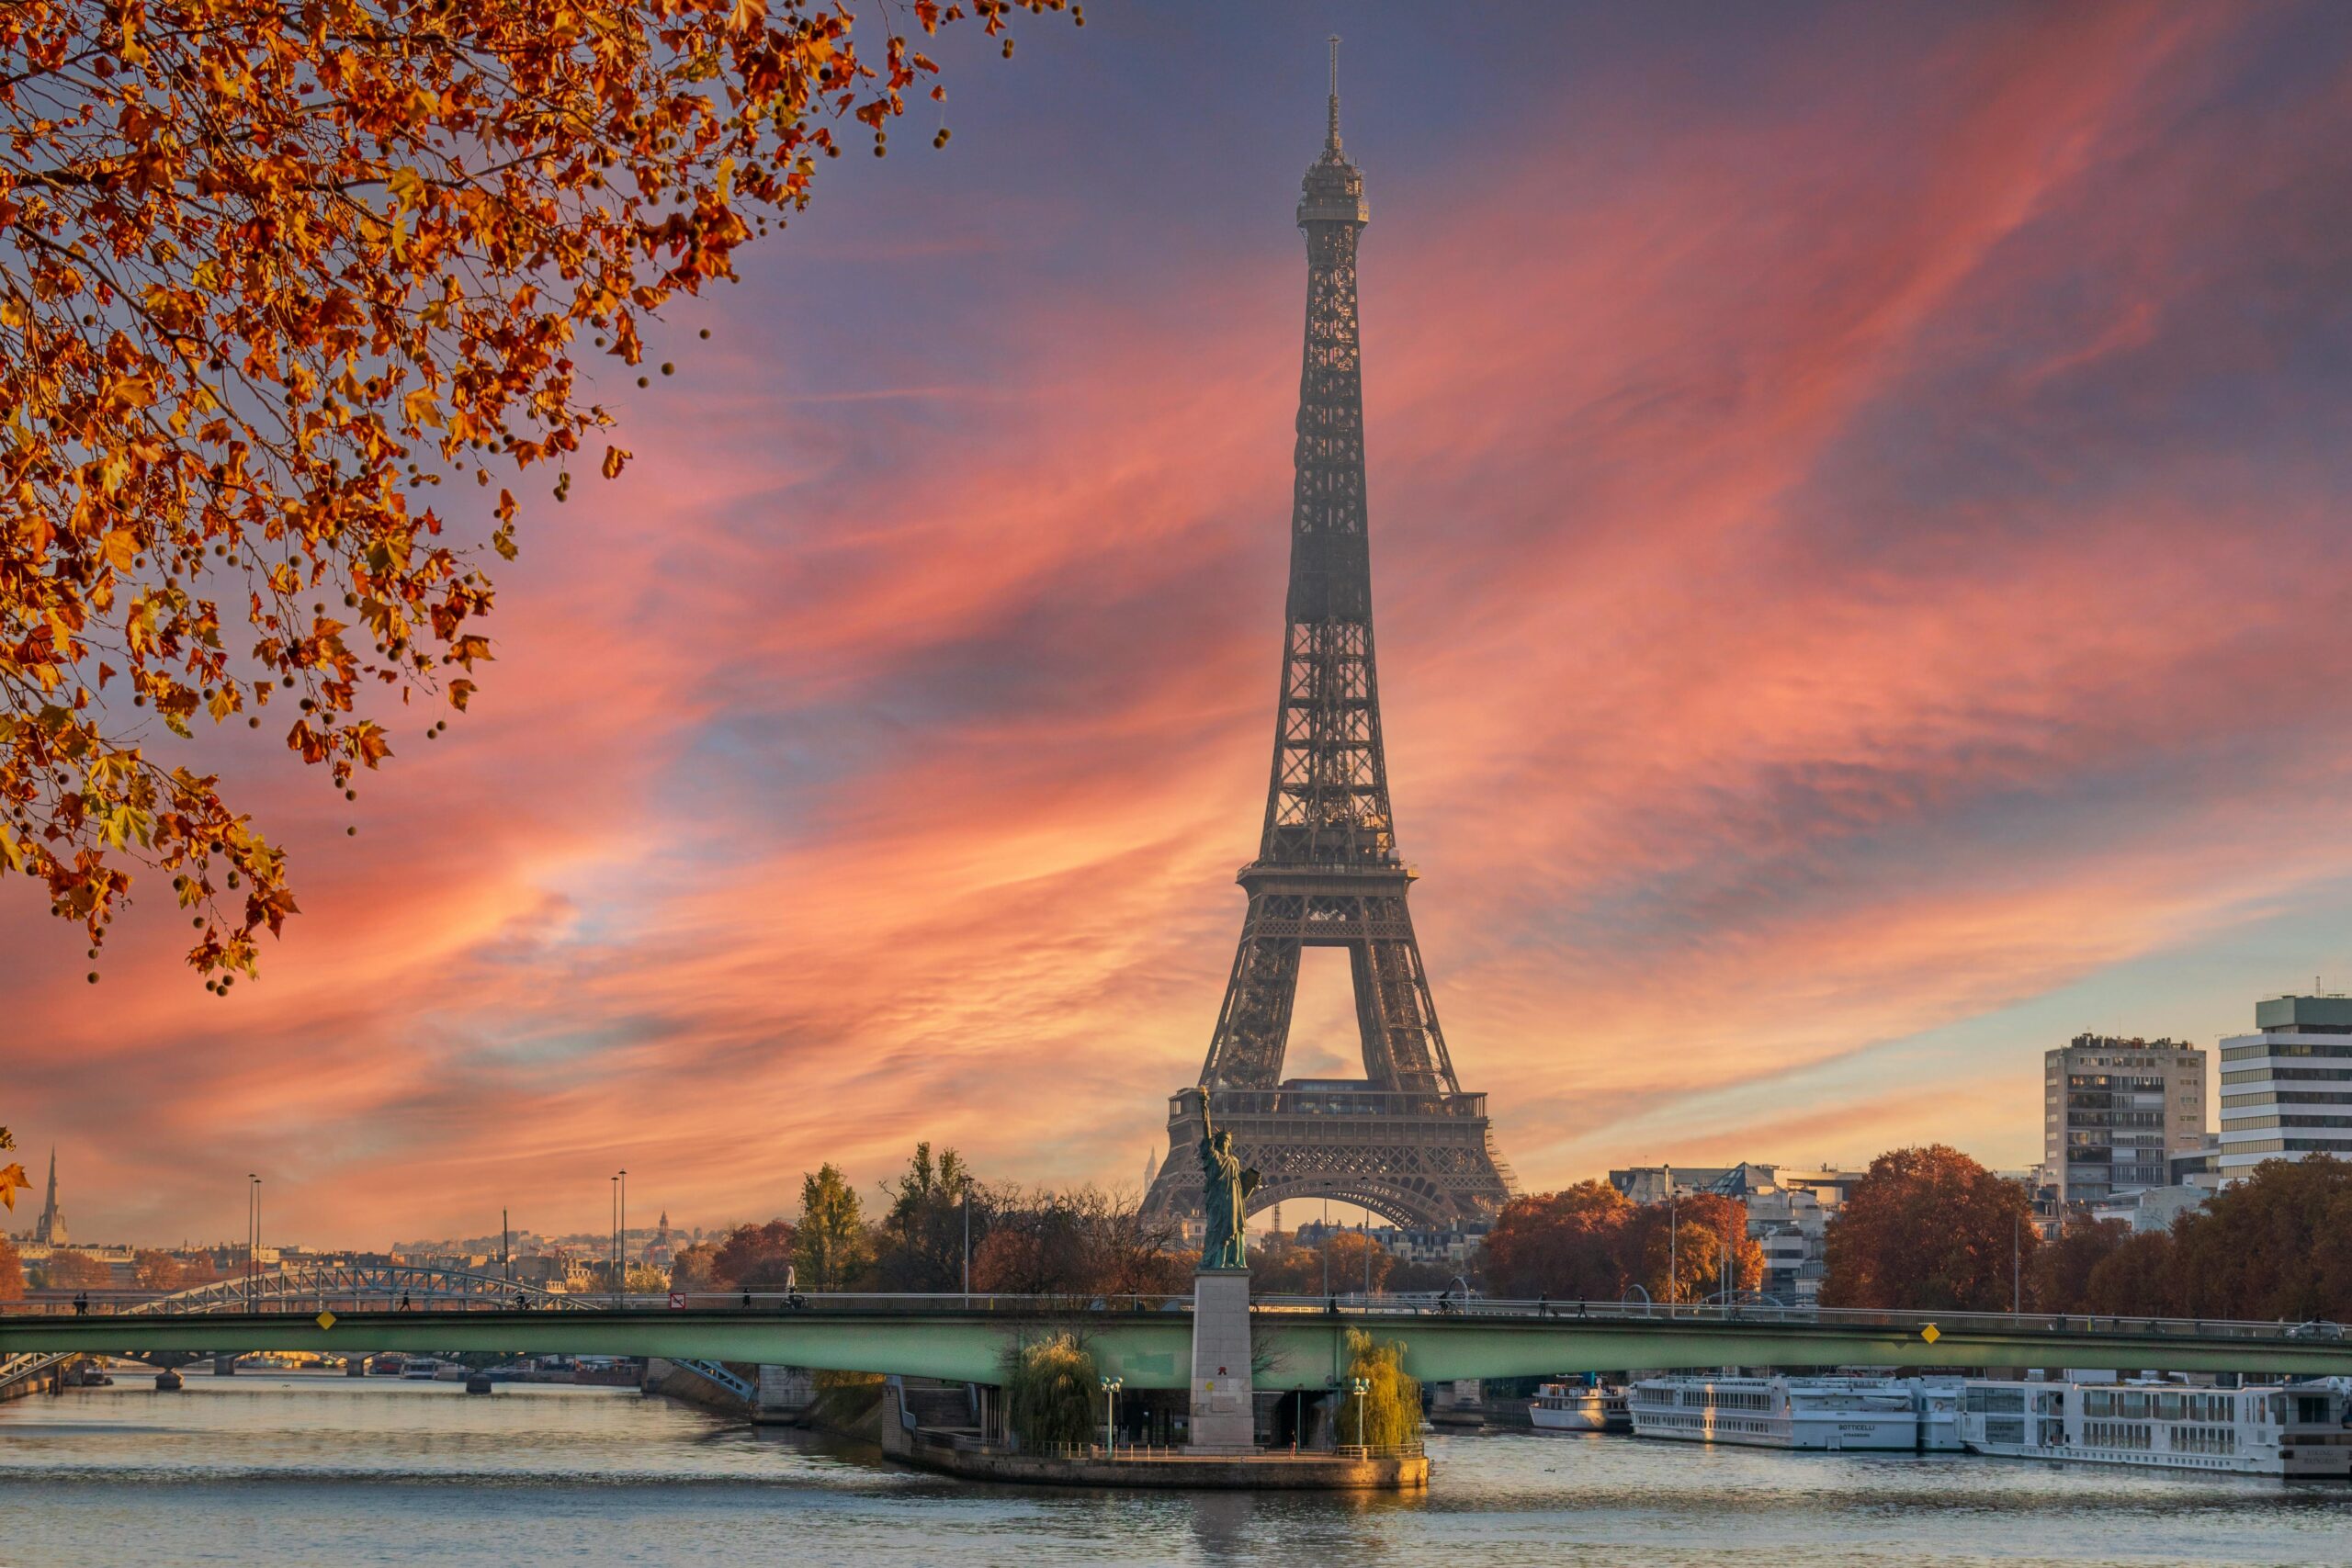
x,y
1404,1141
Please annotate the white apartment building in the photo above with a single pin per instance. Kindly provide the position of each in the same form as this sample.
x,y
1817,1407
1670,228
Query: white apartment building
x,y
2113,1110
2286,1088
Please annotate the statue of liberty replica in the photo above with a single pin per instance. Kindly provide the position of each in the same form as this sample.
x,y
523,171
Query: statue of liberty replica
x,y
1222,1418
1227,1188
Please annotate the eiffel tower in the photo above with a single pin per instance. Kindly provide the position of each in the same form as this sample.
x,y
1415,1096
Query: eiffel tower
x,y
1404,1141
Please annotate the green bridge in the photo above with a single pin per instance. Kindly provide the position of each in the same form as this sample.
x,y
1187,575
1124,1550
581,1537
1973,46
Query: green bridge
x,y
1297,1345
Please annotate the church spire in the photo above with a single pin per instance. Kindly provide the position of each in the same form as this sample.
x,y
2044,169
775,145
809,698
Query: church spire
x,y
51,1227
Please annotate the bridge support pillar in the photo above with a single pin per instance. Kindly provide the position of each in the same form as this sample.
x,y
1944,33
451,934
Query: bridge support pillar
x,y
224,1366
356,1367
1223,1414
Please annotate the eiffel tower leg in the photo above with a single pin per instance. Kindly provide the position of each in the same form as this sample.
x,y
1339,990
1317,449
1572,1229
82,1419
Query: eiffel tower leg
x,y
1254,1024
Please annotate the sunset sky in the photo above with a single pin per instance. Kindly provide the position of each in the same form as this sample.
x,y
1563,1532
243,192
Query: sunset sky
x,y
1860,526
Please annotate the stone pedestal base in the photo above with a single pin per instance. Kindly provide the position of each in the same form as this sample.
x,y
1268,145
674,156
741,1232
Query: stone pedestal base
x,y
1223,1417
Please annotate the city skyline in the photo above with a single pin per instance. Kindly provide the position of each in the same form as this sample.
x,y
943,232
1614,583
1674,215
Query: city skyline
x,y
1897,571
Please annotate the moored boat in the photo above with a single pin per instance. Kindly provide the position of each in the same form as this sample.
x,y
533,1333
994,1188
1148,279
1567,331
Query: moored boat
x,y
1828,1414
2295,1430
1579,1408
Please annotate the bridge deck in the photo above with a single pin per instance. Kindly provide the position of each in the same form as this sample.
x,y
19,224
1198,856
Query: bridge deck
x,y
1299,1345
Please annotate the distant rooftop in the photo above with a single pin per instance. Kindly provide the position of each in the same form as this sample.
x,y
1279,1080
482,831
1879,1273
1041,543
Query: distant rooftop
x,y
2328,1012
2118,1042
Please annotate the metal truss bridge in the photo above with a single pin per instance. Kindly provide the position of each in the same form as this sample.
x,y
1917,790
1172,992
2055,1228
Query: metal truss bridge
x,y
1145,1340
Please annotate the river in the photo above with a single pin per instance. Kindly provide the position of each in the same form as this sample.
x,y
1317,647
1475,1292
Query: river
x,y
294,1468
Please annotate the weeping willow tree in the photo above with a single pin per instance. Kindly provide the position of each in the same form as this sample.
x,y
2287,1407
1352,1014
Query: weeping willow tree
x,y
1388,1412
1050,1390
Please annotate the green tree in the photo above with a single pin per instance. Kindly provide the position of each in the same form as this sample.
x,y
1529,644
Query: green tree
x,y
1051,1391
1928,1229
830,1248
921,1243
1389,1410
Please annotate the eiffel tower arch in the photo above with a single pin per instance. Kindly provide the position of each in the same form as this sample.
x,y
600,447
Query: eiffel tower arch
x,y
1404,1141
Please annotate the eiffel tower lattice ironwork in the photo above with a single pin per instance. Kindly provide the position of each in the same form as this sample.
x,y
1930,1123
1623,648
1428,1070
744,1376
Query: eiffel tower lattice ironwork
x,y
1404,1141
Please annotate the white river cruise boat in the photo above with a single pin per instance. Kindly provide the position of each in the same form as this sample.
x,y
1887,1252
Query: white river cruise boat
x,y
1579,1408
1818,1413
2286,1429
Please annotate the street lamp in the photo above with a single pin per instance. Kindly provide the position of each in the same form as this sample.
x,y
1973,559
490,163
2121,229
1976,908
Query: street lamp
x,y
252,1239
2017,1249
1110,1387
623,1276
1673,1284
1361,1387
616,1240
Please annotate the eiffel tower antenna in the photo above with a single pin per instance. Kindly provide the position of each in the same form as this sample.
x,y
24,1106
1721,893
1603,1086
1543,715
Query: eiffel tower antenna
x,y
1331,138
1404,1141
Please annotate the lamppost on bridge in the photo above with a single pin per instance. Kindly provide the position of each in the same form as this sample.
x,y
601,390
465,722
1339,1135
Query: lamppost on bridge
x,y
2016,1254
1326,1241
1673,1283
252,1238
623,1276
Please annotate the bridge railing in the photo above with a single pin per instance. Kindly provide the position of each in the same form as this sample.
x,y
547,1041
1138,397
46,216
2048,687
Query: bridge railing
x,y
372,1289
1746,1314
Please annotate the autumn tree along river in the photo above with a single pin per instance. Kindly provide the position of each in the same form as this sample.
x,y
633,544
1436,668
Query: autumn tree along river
x,y
292,293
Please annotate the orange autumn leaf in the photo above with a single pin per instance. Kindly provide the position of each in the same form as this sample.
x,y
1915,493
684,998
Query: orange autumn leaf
x,y
280,285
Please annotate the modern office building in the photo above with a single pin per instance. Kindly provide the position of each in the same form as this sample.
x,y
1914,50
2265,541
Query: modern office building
x,y
2113,1110
2286,1088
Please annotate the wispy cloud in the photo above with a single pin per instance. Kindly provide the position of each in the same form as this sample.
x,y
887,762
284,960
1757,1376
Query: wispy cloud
x,y
1857,556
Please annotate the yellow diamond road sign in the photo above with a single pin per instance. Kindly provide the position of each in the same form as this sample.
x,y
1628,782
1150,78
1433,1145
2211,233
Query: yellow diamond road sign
x,y
1929,1333
326,1320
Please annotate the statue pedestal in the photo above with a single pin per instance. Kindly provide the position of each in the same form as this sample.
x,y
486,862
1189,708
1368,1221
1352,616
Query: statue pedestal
x,y
1223,1417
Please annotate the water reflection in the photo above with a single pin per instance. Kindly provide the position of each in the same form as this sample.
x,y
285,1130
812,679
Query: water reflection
x,y
287,1468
